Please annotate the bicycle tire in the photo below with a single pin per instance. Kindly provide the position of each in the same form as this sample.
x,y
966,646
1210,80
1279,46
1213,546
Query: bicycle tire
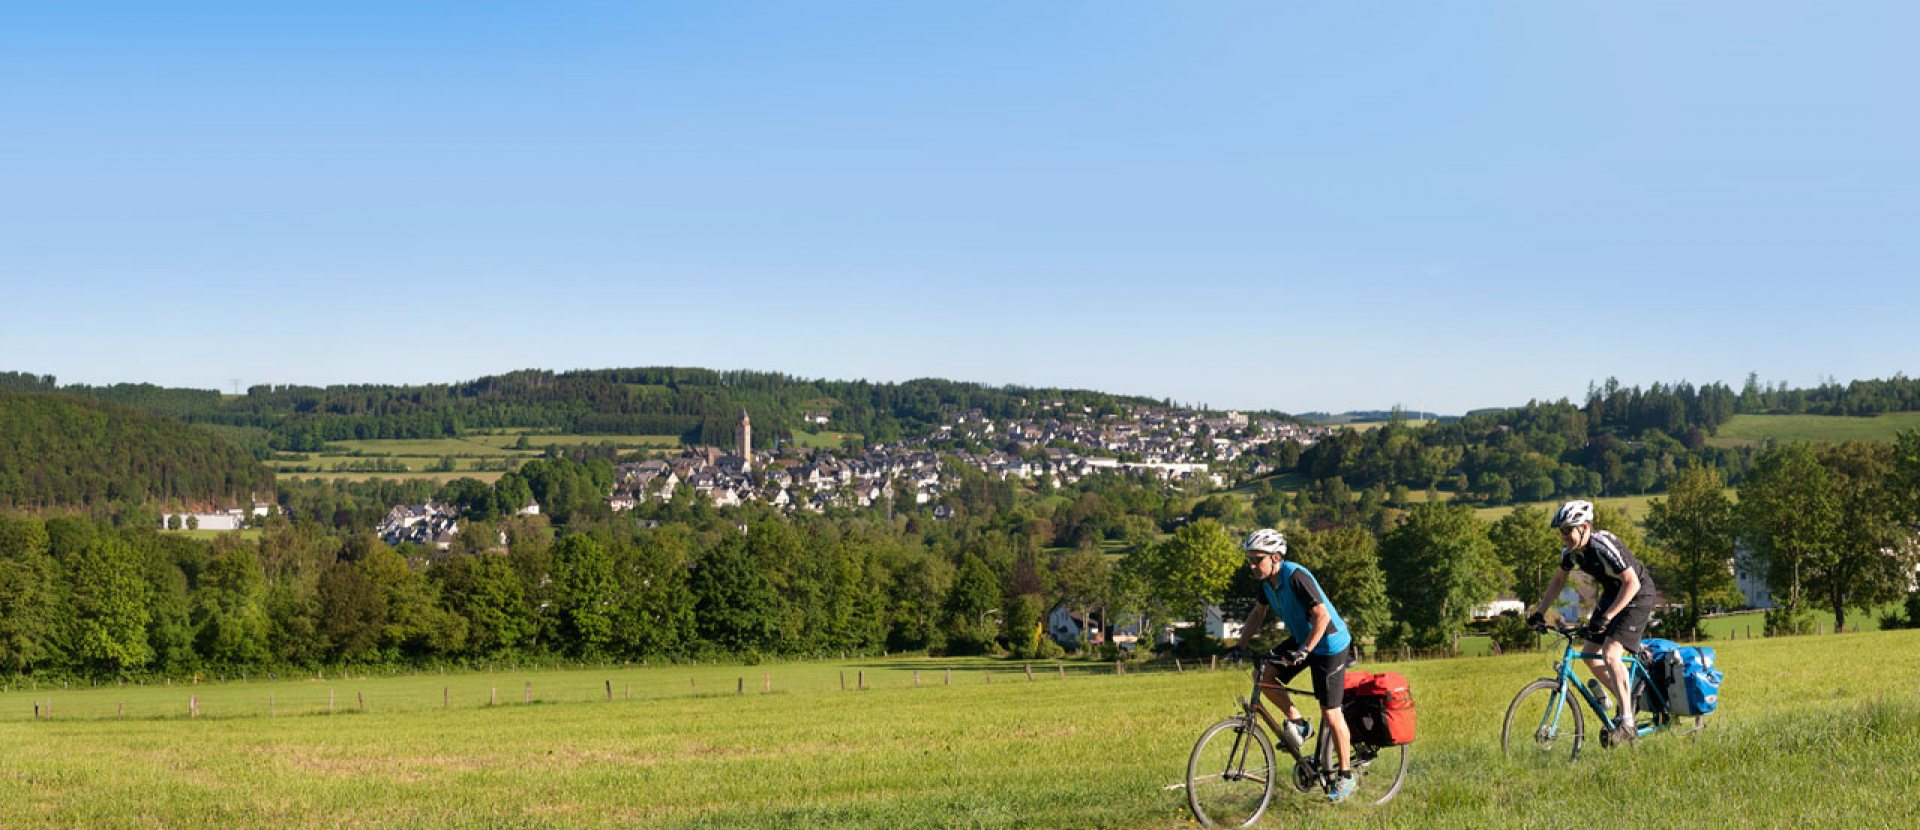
x,y
1526,735
1368,773
1226,786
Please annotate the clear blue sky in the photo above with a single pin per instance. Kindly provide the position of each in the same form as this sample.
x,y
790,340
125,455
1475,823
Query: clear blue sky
x,y
1277,205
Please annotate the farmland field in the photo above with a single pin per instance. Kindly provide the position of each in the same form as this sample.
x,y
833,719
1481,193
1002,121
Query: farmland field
x,y
1753,429
483,456
822,440
1796,745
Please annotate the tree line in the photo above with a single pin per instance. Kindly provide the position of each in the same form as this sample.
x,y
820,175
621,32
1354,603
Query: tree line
x,y
1830,527
701,406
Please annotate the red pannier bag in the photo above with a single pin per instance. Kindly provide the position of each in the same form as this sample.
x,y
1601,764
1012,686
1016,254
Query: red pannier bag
x,y
1379,708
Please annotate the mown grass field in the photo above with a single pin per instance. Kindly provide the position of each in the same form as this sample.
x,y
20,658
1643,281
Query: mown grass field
x,y
822,440
479,456
1753,429
1797,744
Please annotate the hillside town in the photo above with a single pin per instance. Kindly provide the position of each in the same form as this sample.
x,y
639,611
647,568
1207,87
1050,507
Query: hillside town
x,y
1174,445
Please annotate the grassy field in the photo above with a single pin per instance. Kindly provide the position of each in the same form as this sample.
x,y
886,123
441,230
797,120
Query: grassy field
x,y
822,440
480,456
1753,429
1089,750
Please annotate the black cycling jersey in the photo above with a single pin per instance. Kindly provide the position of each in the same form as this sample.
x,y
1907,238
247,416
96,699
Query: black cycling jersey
x,y
1606,559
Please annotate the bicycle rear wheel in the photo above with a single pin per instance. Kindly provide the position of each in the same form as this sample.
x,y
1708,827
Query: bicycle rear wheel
x,y
1378,771
1230,774
1536,729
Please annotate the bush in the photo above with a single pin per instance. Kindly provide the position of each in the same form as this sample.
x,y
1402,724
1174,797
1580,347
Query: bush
x,y
1049,650
1782,624
1511,633
1196,645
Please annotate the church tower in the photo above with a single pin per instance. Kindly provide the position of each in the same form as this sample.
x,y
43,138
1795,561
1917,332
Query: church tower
x,y
743,441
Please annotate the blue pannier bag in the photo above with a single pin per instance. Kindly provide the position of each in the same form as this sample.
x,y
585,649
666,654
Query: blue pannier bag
x,y
1694,689
1661,658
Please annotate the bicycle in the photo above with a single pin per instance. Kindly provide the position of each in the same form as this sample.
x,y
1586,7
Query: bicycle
x,y
1231,773
1533,729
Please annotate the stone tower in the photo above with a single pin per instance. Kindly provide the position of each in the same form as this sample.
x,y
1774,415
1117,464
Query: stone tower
x,y
743,441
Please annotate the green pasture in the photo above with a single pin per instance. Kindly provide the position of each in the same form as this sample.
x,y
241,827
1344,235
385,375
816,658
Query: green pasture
x,y
251,534
539,442
1367,426
1635,507
488,476
1753,429
822,440
1797,744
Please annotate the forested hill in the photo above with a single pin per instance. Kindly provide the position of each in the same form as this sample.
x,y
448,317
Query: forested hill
x,y
59,450
699,405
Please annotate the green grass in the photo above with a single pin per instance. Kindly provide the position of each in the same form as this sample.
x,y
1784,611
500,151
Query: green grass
x,y
1635,506
1367,426
1752,429
1796,744
469,454
251,534
822,440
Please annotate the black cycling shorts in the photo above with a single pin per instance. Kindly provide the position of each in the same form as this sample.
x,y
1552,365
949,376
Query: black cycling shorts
x,y
1629,627
1329,674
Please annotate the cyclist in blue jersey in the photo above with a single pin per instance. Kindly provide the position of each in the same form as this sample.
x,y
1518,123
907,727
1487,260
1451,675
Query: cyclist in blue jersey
x,y
1318,640
1621,614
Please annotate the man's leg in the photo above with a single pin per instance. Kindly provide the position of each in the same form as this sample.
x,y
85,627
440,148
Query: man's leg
x,y
1342,739
1617,680
1278,693
1602,669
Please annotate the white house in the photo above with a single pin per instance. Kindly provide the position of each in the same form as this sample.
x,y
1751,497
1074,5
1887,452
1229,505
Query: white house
x,y
1496,608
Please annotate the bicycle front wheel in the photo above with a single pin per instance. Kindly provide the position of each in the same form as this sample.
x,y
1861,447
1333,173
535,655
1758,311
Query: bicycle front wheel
x,y
1537,729
1230,774
1378,771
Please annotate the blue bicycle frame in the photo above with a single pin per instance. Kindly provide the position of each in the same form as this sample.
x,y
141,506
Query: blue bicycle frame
x,y
1638,681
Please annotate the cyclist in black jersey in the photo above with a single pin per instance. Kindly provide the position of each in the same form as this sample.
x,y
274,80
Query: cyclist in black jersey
x,y
1621,614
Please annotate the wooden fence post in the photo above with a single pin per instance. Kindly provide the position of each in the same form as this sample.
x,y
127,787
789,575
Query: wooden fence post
x,y
768,680
446,697
843,680
529,692
988,673
1063,670
860,680
329,701
949,677
1177,668
493,695
122,713
193,706
916,678
363,700
1118,669
609,690
740,689
1029,672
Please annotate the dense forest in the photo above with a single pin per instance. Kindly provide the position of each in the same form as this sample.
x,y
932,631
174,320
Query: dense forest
x,y
701,406
58,450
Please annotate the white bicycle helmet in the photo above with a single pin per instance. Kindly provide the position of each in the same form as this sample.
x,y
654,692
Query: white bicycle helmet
x,y
1576,512
1265,540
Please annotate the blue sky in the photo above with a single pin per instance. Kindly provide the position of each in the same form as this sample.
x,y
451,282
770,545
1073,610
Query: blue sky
x,y
1294,206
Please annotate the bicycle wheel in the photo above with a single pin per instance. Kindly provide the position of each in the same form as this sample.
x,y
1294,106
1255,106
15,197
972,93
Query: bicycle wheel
x,y
1378,771
1230,774
1535,730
